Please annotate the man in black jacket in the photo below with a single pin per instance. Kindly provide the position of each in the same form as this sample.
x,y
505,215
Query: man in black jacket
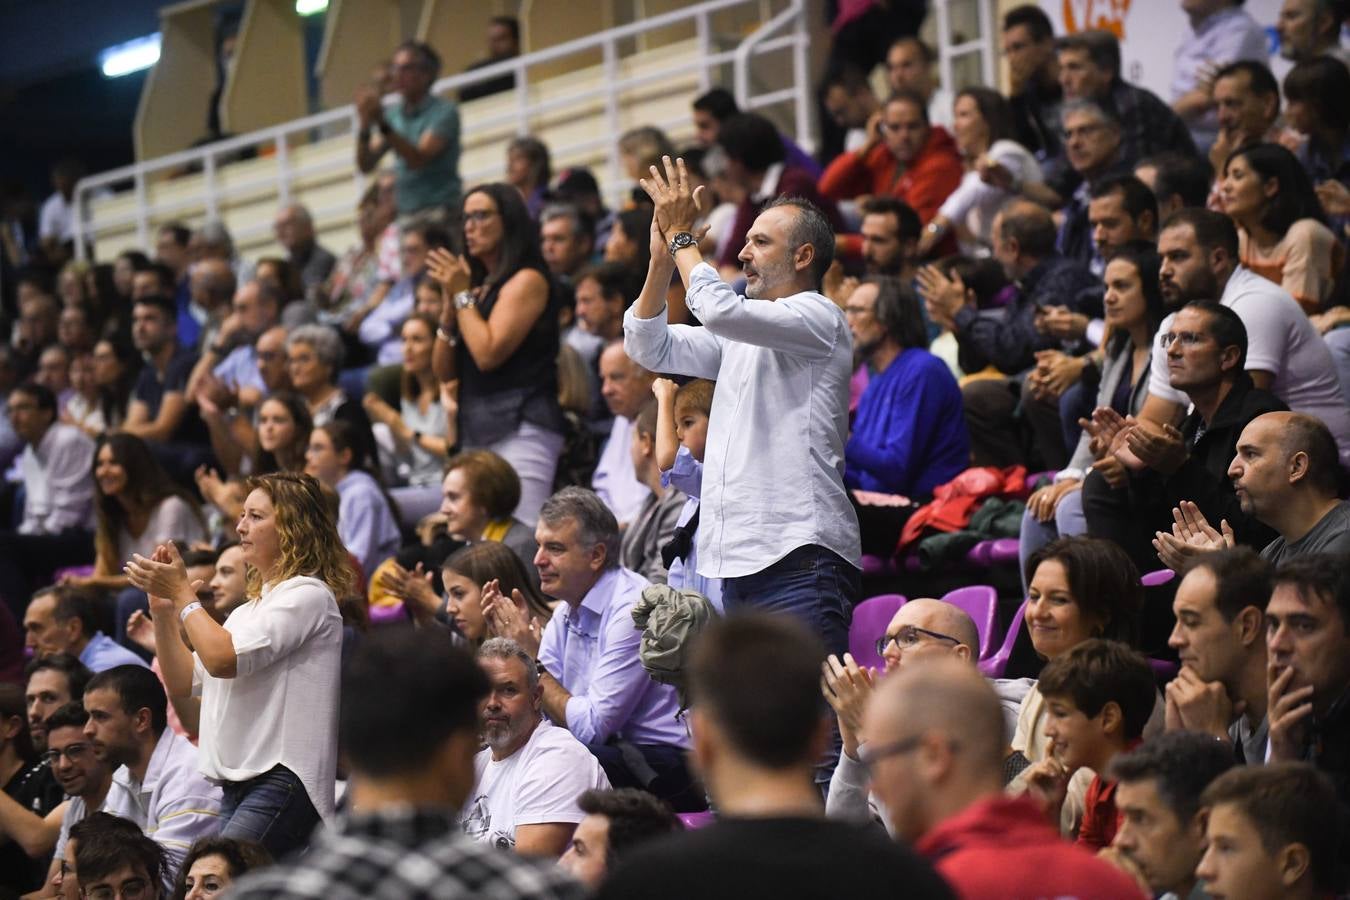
x,y
1206,358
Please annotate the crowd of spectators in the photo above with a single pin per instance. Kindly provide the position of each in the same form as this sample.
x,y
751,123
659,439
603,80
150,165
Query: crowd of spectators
x,y
398,566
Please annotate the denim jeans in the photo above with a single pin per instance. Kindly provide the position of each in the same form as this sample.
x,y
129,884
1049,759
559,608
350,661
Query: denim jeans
x,y
273,809
814,584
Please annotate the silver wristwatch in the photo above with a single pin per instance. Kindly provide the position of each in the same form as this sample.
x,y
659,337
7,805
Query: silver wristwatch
x,y
681,240
465,299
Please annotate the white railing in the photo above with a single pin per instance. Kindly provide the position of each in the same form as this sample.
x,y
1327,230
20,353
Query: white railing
x,y
344,120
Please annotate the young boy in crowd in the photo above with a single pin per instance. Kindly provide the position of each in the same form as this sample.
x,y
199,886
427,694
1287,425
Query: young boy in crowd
x,y
1099,696
654,525
1272,832
681,436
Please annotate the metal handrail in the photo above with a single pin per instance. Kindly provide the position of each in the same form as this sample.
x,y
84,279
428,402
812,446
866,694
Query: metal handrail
x,y
756,44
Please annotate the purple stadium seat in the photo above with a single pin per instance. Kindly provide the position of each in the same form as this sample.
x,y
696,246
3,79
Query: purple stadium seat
x,y
873,566
980,602
1157,578
996,665
695,819
870,619
1163,669
388,614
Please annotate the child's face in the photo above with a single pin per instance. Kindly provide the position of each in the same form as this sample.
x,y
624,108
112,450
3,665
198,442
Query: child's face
x,y
691,427
1076,740
1236,864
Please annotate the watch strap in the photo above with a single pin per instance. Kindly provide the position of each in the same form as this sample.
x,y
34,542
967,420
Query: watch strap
x,y
679,241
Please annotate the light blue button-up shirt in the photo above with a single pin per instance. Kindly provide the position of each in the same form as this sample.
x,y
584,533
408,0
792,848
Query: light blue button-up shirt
x,y
773,469
102,653
592,650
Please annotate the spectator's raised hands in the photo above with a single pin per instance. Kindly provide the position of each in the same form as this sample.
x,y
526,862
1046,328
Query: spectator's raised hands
x,y
509,619
846,686
1162,449
141,630
413,588
942,296
164,579
1061,323
678,206
451,272
1191,536
1334,197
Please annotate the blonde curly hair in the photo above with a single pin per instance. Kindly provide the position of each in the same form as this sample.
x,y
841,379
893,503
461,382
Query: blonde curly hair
x,y
307,533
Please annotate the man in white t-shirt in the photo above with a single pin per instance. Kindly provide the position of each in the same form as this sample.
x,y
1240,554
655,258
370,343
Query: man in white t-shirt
x,y
531,772
1285,354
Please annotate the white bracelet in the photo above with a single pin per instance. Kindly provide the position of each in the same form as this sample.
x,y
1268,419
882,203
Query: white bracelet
x,y
188,610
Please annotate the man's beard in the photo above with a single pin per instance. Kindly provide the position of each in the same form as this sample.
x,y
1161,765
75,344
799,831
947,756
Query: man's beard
x,y
769,279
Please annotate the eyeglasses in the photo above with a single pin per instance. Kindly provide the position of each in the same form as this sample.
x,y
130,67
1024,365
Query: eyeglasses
x,y
72,752
1187,338
478,216
857,310
131,889
908,637
1081,131
869,756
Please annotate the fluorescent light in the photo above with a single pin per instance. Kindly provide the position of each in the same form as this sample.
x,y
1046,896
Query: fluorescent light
x,y
310,7
133,56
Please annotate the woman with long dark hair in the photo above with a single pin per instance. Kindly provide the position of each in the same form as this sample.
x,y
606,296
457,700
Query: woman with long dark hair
x,y
498,336
267,713
1134,310
117,364
1282,231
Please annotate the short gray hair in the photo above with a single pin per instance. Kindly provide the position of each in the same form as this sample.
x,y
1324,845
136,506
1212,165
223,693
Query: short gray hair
x,y
323,340
562,211
595,523
507,649
810,227
1090,108
216,234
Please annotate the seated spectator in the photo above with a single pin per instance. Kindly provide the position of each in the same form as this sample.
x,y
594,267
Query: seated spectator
x,y
212,240
603,292
159,412
909,435
891,234
1309,29
625,386
313,360
1310,90
155,782
35,329
414,439
1199,249
1099,695
592,678
423,132
1134,308
115,862
1247,103
76,329
616,822
1220,640
293,228
53,372
997,169
909,67
1092,143
230,364
653,526
1161,834
1272,831
1282,233
528,170
757,167
366,520
849,100
531,772
1033,75
1008,338
125,266
681,440
211,289
212,864
31,823
1206,358
1089,69
378,328
1080,588
1287,476
52,681
567,241
362,271
231,421
66,620
503,43
905,158
938,770
754,681
116,367
478,495
503,347
1307,640
465,575
409,730
715,106
279,444
57,470
1218,33
83,407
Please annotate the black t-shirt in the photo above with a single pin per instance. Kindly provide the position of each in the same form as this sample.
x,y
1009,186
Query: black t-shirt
x,y
32,787
779,858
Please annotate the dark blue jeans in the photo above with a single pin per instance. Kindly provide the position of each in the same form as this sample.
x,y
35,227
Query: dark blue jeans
x,y
814,584
273,809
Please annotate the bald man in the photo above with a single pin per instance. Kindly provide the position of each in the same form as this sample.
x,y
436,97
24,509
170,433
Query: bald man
x,y
935,750
1287,474
922,631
